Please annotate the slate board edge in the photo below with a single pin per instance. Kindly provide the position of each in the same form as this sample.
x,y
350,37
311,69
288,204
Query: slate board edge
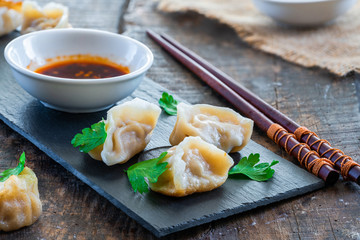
x,y
209,218
77,174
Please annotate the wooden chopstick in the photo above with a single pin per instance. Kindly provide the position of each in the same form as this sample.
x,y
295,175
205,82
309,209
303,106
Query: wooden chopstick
x,y
349,169
308,158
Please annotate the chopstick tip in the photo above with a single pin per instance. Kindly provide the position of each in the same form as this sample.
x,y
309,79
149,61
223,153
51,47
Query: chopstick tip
x,y
150,32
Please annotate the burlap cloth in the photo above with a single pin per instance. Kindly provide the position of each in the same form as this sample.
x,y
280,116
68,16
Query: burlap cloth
x,y
335,47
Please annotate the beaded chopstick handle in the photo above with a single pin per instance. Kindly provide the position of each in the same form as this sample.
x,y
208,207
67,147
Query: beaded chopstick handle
x,y
307,157
341,161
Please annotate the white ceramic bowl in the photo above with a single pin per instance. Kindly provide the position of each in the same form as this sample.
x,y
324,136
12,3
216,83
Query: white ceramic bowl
x,y
303,12
77,95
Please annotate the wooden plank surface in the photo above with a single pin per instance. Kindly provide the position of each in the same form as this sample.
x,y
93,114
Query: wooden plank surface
x,y
314,98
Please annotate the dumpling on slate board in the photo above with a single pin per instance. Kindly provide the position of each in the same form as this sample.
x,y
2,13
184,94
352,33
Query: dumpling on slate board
x,y
35,18
193,166
129,127
10,16
20,204
221,126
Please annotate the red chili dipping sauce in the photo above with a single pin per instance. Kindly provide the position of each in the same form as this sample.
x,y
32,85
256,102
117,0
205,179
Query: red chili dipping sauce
x,y
82,67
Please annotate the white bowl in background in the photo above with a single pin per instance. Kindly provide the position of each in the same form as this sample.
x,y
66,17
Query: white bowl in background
x,y
304,12
77,95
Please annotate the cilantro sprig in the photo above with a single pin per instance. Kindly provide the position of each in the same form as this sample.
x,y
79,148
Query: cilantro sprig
x,y
14,171
90,138
260,172
149,170
168,103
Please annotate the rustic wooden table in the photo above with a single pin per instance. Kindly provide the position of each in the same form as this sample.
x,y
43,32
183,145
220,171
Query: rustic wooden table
x,y
321,101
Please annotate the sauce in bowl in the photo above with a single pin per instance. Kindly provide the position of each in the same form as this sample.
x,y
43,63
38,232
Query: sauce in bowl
x,y
82,67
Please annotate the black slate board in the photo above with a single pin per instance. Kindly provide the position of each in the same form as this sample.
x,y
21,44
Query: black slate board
x,y
52,131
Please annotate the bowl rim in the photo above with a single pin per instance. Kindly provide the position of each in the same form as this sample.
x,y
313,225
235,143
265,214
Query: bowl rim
x,y
38,76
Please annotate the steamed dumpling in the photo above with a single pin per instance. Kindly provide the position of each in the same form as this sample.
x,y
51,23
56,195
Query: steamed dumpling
x,y
223,127
129,127
193,166
10,16
20,204
52,15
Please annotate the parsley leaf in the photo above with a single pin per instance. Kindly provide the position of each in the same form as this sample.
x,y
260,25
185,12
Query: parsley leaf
x,y
14,171
90,137
260,172
149,170
168,103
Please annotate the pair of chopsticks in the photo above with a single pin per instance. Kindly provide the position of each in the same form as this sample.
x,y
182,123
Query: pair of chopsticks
x,y
298,141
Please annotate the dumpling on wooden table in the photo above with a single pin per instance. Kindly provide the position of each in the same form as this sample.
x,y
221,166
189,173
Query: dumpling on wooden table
x,y
129,127
20,204
221,126
10,16
193,166
52,15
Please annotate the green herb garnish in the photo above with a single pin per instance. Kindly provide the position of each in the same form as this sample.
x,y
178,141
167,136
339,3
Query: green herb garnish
x,y
260,172
168,103
148,170
14,171
90,137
